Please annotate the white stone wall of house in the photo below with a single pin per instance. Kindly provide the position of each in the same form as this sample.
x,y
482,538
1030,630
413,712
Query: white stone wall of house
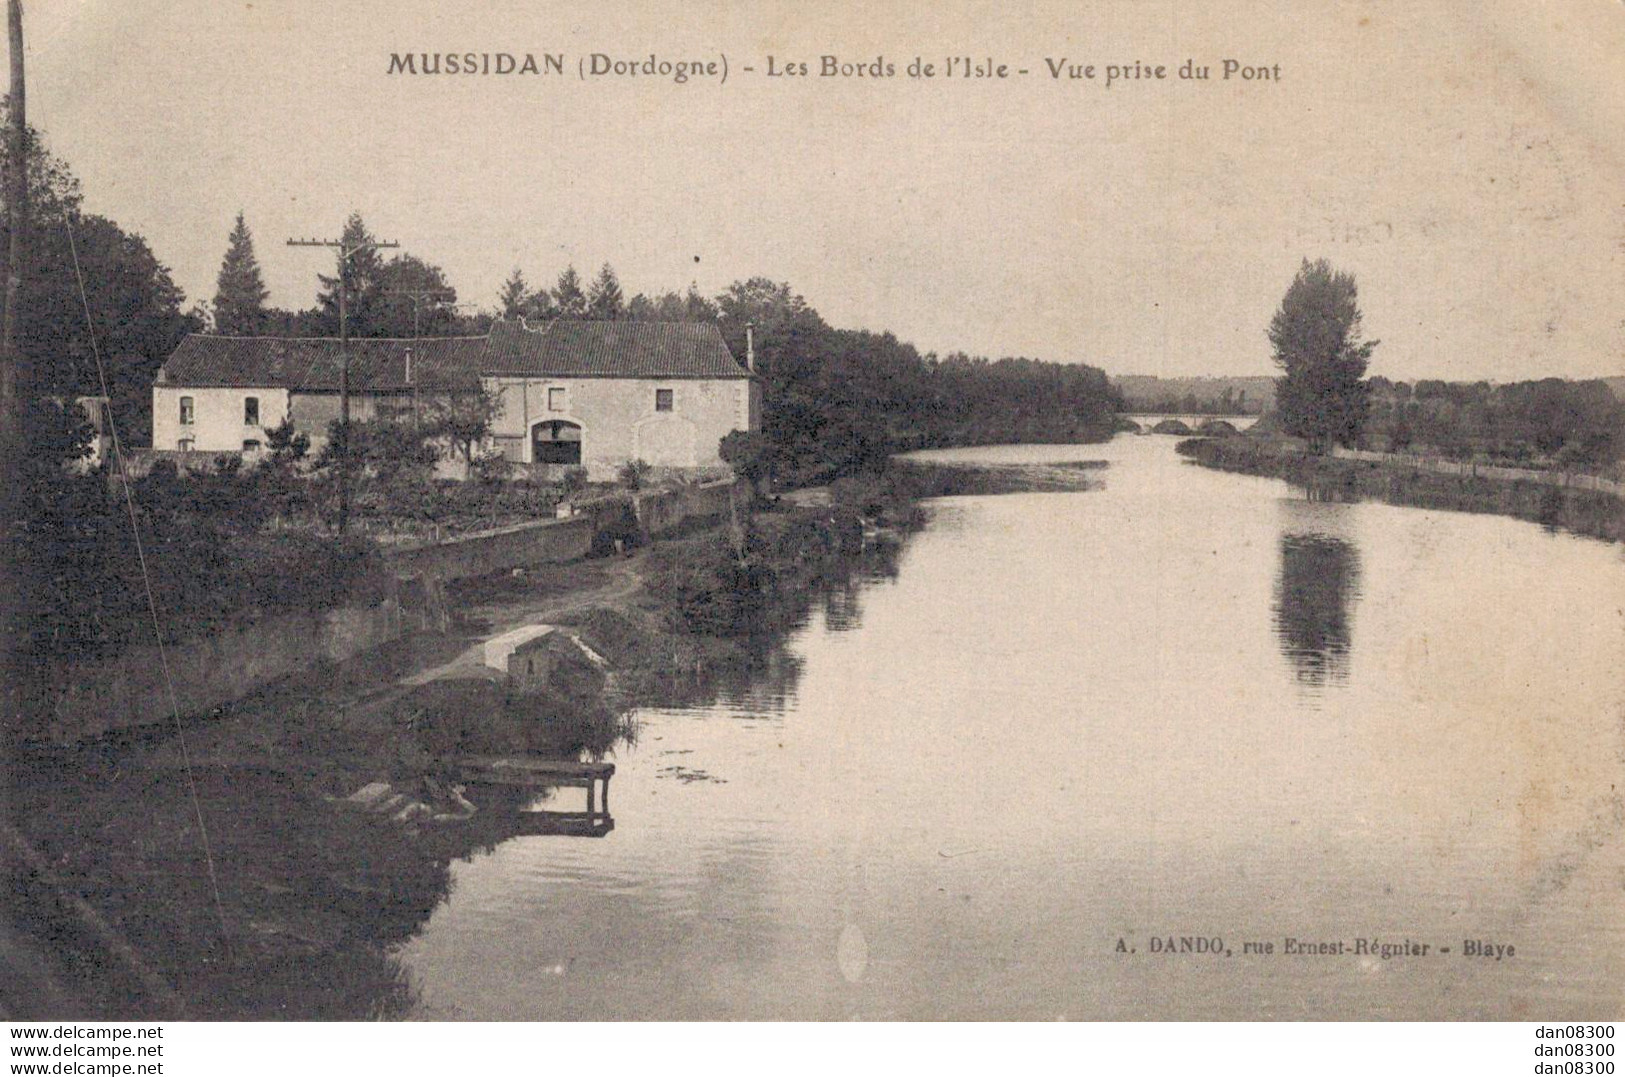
x,y
212,419
601,423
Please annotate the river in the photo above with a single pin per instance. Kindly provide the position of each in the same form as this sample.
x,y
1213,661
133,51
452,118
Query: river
x,y
1188,704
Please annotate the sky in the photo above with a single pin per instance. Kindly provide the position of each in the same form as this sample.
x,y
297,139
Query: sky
x,y
1464,161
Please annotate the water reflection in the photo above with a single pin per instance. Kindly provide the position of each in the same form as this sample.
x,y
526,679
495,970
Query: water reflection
x,y
747,850
1314,596
515,810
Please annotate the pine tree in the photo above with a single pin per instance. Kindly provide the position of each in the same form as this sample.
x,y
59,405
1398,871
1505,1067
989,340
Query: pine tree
x,y
697,308
605,302
513,295
568,296
1316,336
363,294
240,292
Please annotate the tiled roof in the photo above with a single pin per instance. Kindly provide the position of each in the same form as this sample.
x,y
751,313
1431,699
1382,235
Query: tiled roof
x,y
312,363
610,350
559,349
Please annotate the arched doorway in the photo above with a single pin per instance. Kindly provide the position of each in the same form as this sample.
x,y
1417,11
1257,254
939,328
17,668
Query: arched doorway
x,y
555,442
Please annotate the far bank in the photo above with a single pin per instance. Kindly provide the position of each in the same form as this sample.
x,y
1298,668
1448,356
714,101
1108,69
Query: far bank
x,y
1583,505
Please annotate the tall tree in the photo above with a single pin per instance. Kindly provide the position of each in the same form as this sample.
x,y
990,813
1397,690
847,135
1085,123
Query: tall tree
x,y
1316,336
697,308
414,299
511,300
135,305
568,298
364,285
240,292
604,300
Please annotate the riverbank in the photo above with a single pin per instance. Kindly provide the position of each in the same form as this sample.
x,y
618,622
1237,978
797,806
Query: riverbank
x,y
926,478
315,894
1590,513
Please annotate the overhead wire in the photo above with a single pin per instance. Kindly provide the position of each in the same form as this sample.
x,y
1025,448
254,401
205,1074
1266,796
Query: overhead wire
x,y
146,581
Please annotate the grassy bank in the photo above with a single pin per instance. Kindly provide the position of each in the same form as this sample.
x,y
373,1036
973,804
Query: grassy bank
x,y
1583,512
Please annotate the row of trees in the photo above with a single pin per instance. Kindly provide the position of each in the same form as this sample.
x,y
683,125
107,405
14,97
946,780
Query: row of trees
x,y
401,296
1553,421
838,401
405,296
1230,401
1324,397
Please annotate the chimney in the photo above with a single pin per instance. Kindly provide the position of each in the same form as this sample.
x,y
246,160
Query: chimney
x,y
750,347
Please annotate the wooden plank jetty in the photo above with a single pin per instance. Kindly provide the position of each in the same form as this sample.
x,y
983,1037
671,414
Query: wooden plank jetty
x,y
521,770
534,773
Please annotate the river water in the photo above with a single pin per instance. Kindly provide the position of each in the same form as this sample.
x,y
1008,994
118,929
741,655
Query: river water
x,y
1189,704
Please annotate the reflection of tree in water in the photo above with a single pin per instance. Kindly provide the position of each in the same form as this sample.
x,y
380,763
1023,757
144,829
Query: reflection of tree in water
x,y
758,672
1319,580
843,610
764,683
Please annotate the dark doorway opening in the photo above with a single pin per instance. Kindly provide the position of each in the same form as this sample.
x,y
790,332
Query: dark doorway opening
x,y
555,442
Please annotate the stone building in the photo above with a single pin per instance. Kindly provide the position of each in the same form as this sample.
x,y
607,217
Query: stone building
x,y
593,394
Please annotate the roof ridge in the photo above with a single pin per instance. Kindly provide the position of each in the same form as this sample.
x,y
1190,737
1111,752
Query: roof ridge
x,y
324,340
524,325
584,347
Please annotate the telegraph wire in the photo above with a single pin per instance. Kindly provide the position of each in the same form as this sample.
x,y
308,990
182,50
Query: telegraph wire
x,y
146,581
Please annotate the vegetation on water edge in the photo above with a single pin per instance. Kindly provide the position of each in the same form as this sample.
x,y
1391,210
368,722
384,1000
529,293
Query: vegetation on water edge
x,y
757,572
931,478
1583,512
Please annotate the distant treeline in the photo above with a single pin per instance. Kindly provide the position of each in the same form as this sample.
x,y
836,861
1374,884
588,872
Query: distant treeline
x,y
838,401
1550,422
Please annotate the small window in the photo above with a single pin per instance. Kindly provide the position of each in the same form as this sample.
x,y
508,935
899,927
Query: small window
x,y
186,444
663,399
187,414
555,400
251,445
251,411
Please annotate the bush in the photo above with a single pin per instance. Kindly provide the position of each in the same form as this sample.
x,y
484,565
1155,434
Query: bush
x,y
490,468
750,455
572,482
616,521
708,590
633,473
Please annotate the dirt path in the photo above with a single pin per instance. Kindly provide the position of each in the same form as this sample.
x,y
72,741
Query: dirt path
x,y
626,580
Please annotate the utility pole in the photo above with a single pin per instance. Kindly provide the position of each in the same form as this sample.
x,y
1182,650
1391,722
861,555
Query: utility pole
x,y
16,194
417,296
11,407
346,251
